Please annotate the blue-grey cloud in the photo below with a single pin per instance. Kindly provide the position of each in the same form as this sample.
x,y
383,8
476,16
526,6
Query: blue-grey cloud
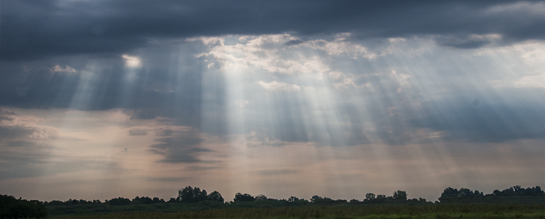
x,y
34,30
181,148
462,120
6,114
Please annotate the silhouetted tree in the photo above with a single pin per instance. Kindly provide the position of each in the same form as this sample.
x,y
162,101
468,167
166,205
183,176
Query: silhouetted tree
x,y
143,200
215,196
119,201
535,191
243,198
319,200
293,199
261,197
191,195
465,192
315,199
519,191
400,195
354,201
10,207
449,193
370,196
157,200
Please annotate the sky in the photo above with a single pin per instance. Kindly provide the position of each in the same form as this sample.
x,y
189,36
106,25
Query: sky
x,y
101,99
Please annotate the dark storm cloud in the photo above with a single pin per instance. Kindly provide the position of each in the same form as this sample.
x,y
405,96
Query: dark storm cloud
x,y
162,89
462,41
37,29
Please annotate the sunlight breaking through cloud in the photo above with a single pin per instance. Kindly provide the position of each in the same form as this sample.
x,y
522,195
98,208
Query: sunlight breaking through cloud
x,y
131,61
292,100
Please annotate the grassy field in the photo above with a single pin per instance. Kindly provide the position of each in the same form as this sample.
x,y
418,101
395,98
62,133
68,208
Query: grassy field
x,y
491,211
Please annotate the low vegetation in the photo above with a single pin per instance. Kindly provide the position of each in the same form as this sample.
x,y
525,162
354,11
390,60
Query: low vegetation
x,y
514,202
495,211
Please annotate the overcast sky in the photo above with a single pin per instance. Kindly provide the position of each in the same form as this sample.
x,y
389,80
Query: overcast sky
x,y
101,99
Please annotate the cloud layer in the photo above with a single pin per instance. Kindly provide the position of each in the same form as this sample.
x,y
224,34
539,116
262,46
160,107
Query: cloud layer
x,y
263,97
69,28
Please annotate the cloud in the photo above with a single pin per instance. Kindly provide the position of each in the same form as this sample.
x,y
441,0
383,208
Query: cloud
x,y
137,132
68,29
468,42
38,163
355,93
27,149
66,69
6,114
28,144
180,147
107,84
167,179
268,89
201,150
201,168
255,139
132,61
17,127
275,85
293,42
341,45
276,172
164,132
465,121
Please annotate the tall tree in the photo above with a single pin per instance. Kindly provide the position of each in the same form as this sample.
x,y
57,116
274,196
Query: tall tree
x,y
215,196
190,194
243,198
370,196
400,195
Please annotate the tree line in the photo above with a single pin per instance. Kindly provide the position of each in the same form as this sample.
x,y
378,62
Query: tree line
x,y
191,194
10,207
466,195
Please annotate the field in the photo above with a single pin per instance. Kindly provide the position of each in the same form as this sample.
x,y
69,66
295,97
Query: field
x,y
492,211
